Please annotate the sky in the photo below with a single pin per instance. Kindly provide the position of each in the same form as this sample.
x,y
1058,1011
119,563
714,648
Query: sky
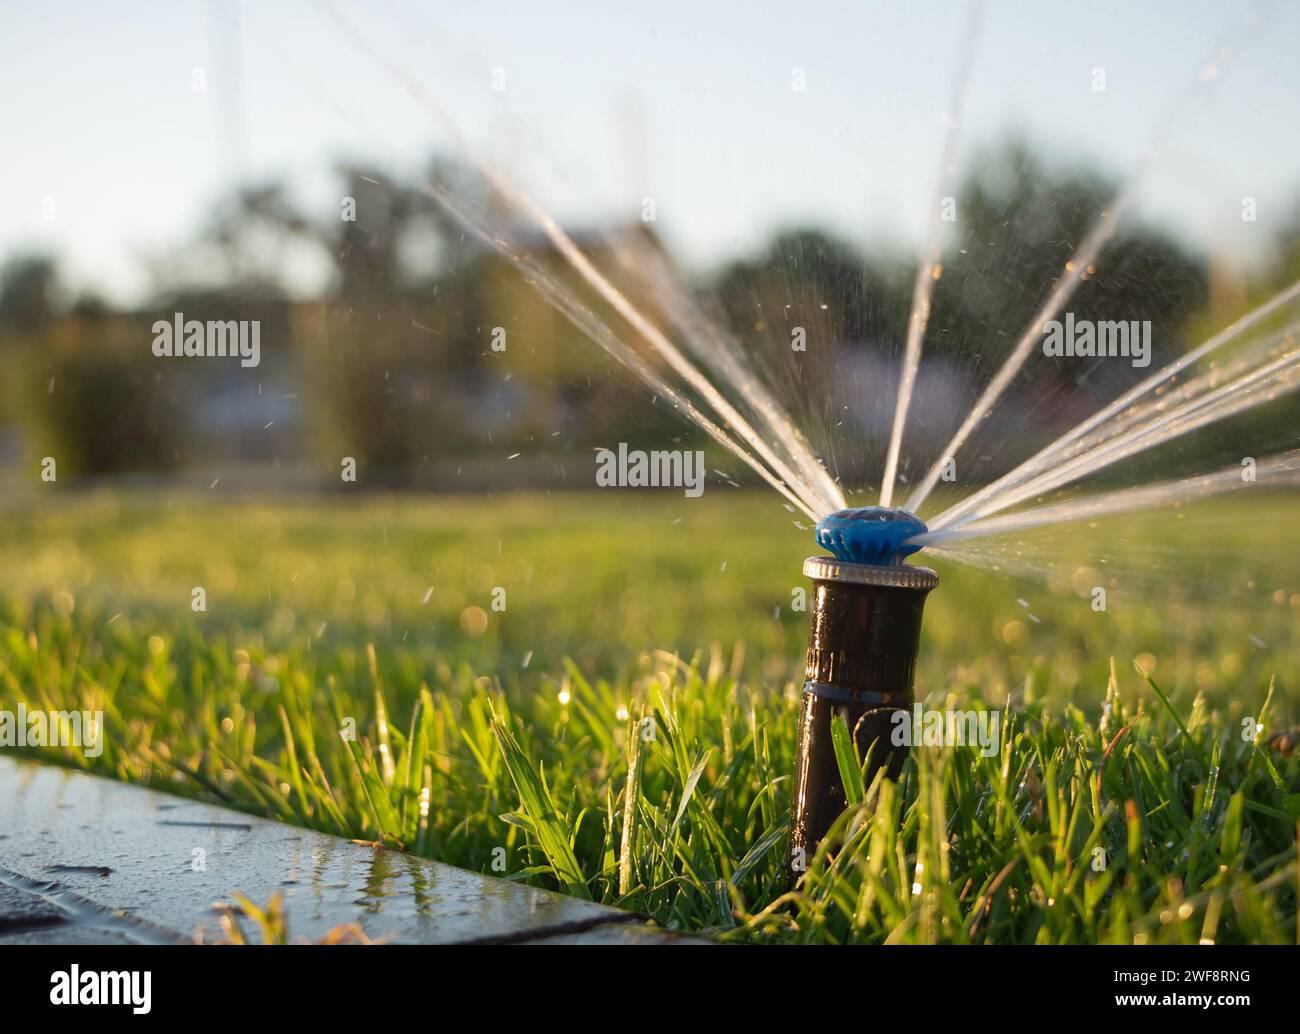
x,y
121,125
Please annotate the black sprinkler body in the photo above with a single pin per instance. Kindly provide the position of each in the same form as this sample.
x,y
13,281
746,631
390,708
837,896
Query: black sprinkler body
x,y
863,639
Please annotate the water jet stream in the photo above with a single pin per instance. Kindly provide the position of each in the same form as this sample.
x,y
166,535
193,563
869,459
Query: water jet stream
x,y
564,302
811,501
1051,453
567,304
1285,467
1076,270
711,345
930,268
1277,378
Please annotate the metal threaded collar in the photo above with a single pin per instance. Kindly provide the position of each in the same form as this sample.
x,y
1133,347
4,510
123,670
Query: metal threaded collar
x,y
898,576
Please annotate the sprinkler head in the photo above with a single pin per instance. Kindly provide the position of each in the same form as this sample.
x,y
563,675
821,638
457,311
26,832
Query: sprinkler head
x,y
863,638
877,535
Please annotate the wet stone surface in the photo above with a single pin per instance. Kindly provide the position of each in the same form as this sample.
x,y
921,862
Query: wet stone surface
x,y
22,910
81,853
69,933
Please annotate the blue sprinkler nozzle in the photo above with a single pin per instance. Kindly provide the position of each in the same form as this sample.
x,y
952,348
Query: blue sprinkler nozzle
x,y
876,535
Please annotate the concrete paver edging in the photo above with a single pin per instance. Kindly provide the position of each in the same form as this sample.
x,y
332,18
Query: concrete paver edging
x,y
85,859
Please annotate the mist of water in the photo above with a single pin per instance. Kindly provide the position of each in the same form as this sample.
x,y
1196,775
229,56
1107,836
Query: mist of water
x,y
1108,420
809,496
1269,372
724,396
1281,470
1078,269
930,268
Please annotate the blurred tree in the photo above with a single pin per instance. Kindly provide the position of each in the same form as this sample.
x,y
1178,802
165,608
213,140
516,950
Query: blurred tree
x,y
254,230
28,288
367,248
808,278
1018,223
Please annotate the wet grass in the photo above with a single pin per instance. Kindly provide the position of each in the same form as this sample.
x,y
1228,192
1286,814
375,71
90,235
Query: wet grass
x,y
624,728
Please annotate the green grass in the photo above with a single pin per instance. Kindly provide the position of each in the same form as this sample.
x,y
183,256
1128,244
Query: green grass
x,y
1120,808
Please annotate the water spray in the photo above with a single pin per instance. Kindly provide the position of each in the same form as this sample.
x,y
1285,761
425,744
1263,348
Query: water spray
x,y
863,638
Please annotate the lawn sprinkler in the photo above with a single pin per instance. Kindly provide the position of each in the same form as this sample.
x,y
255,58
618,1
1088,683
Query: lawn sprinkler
x,y
862,643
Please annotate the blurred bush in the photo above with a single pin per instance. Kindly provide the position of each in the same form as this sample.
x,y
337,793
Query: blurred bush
x,y
85,392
